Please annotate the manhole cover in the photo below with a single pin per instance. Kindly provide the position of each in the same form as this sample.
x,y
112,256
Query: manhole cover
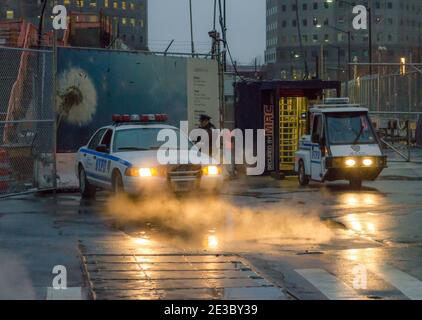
x,y
176,277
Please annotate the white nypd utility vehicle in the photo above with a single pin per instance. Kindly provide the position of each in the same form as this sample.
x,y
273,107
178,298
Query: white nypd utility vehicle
x,y
122,157
343,145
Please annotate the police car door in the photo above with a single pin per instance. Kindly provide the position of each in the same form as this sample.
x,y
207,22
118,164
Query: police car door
x,y
316,154
102,160
89,158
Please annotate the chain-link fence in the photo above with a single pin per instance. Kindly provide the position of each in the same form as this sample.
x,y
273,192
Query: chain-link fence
x,y
27,126
394,98
388,90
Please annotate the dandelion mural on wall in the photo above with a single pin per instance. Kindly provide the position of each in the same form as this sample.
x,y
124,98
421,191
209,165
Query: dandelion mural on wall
x,y
77,97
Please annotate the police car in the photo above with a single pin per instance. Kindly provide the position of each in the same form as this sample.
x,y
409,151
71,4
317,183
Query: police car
x,y
123,157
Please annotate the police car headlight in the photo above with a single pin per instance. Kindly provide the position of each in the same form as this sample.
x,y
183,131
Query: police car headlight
x,y
350,162
211,170
141,172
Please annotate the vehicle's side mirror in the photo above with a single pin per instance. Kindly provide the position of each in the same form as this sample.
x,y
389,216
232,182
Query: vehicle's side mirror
x,y
102,148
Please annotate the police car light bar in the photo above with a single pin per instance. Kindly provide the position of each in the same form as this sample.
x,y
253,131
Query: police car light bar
x,y
337,101
118,118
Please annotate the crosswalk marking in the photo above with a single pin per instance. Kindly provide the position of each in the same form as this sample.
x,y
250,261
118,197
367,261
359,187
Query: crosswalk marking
x,y
329,285
407,284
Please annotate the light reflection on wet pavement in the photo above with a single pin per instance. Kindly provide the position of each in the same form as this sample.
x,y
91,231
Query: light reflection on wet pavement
x,y
372,235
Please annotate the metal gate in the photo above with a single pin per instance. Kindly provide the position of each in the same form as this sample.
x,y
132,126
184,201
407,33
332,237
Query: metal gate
x,y
27,124
292,127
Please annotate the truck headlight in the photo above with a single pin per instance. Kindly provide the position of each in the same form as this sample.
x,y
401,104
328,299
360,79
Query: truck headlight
x,y
350,162
141,172
367,162
211,170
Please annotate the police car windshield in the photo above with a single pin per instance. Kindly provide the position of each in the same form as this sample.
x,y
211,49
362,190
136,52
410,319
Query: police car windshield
x,y
349,128
142,139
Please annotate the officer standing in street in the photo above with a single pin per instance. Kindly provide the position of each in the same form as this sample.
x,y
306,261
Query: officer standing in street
x,y
205,124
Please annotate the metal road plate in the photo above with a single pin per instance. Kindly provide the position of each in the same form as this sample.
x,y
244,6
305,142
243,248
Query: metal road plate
x,y
175,276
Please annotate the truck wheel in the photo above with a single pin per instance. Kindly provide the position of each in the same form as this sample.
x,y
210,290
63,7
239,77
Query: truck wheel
x,y
87,190
118,186
303,178
356,183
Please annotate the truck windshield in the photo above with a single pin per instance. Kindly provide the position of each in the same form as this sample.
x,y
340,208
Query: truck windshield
x,y
349,128
143,139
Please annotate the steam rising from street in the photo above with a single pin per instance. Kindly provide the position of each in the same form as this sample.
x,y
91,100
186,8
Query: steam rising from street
x,y
190,219
15,283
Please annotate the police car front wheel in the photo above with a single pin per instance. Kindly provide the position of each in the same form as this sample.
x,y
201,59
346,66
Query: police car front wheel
x,y
117,183
88,191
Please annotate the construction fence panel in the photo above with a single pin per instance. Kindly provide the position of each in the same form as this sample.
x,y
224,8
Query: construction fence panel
x,y
27,121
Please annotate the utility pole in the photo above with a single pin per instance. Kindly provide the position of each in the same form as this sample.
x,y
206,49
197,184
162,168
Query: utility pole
x,y
41,22
349,58
223,26
191,29
225,37
305,62
370,37
215,14
55,125
217,55
321,64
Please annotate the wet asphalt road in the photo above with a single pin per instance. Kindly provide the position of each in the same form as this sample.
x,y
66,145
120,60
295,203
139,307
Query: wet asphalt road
x,y
320,242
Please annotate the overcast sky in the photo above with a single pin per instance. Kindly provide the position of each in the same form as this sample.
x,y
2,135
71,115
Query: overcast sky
x,y
169,19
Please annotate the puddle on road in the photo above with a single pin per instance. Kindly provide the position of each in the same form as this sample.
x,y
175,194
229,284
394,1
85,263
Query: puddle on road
x,y
212,222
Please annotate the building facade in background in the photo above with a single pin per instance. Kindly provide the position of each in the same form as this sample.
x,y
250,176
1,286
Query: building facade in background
x,y
128,17
396,33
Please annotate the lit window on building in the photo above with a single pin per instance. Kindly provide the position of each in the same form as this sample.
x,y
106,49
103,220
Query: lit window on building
x,y
124,21
132,6
115,5
80,3
132,22
66,2
106,3
93,3
10,14
124,5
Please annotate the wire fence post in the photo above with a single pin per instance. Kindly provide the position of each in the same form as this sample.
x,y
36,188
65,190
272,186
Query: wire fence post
x,y
53,97
27,153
